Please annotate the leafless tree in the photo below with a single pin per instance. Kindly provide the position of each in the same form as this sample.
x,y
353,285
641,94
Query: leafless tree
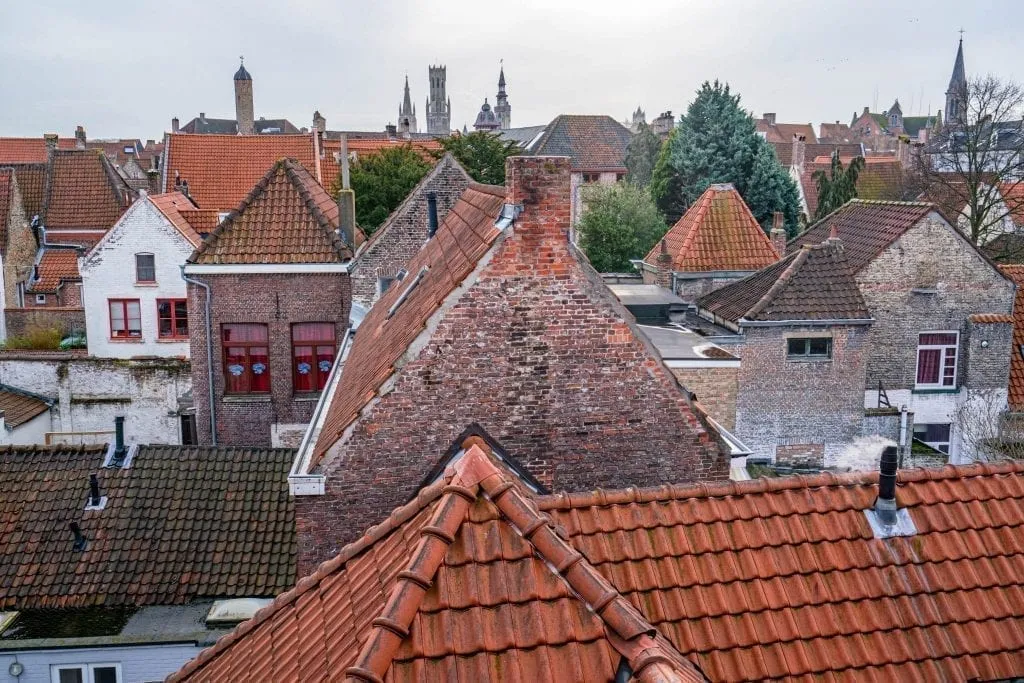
x,y
988,431
974,167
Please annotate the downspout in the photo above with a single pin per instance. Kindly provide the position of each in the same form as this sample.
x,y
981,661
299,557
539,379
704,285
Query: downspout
x,y
209,356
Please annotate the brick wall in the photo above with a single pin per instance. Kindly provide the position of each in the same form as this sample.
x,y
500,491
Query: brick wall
x,y
20,320
405,231
988,346
539,354
715,388
930,257
20,250
277,300
783,403
691,288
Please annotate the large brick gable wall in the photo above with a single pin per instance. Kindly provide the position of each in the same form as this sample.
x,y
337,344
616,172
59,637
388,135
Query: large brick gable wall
x,y
536,352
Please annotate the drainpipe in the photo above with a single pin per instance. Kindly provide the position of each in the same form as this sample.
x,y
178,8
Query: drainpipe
x,y
903,434
209,356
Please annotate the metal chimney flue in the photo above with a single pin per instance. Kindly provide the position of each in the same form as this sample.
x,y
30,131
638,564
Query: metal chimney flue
x,y
119,447
431,214
94,491
885,519
81,543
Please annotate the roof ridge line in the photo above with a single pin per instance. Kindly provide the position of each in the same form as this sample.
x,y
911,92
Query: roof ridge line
x,y
292,169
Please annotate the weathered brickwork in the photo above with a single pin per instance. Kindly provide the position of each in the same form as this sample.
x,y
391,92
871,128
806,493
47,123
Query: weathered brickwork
x,y
788,403
21,320
715,389
20,251
536,352
277,300
405,231
808,455
987,345
952,281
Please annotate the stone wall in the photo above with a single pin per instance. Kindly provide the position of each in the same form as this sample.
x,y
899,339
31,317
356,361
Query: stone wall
x,y
277,300
90,392
715,389
405,231
20,250
21,320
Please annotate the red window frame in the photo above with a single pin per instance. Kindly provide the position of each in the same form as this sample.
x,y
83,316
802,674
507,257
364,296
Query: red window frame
x,y
314,346
177,319
246,348
125,318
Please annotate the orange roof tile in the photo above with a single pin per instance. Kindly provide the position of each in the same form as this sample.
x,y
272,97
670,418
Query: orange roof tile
x,y
32,183
83,191
1013,197
881,178
331,169
18,407
204,221
287,218
461,240
28,150
740,581
1016,383
85,239
222,169
175,206
717,233
55,267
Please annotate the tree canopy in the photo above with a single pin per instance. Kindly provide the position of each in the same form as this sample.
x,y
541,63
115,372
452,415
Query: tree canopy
x,y
482,153
838,186
716,141
381,181
641,156
619,222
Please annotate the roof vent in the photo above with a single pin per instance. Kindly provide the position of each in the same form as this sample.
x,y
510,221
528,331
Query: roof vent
x,y
431,214
80,541
885,519
509,212
234,611
119,449
95,501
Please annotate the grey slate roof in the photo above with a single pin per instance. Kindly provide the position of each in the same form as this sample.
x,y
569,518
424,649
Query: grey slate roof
x,y
592,143
208,126
521,136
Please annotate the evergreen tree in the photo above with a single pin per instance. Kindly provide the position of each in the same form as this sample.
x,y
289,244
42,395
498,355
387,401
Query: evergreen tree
x,y
838,186
382,181
771,189
667,183
641,156
482,153
619,222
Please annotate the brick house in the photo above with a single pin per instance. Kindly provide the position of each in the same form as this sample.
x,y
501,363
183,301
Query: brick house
x,y
268,305
595,145
717,241
500,326
943,315
803,329
134,298
406,230
772,131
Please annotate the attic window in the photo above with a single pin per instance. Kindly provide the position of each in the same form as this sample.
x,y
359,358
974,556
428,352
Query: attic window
x,y
408,290
234,611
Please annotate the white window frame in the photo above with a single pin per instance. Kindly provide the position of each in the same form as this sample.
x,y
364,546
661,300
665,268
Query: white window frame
x,y
942,360
40,299
87,670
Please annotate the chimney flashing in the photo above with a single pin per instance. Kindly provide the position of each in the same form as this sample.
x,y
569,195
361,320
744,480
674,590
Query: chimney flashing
x,y
885,519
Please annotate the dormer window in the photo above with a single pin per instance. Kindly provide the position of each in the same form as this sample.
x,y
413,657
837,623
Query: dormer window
x,y
145,268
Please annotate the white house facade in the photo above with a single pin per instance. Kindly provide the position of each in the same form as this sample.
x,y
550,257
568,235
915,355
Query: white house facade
x,y
132,290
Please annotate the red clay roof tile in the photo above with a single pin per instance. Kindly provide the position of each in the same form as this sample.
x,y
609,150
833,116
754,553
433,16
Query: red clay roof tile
x,y
222,169
881,178
1016,384
717,233
55,267
28,150
32,183
19,407
83,191
176,207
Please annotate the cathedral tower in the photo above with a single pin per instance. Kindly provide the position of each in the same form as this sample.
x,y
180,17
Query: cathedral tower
x,y
957,87
502,109
439,107
407,113
243,101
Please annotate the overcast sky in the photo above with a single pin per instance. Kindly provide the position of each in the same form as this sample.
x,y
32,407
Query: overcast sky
x,y
123,69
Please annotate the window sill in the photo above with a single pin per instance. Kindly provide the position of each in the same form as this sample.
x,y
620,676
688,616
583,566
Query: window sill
x,y
808,360
171,340
306,398
245,398
126,340
147,284
926,390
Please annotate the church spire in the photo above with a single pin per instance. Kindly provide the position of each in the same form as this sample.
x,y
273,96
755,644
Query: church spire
x,y
406,99
502,109
959,77
957,85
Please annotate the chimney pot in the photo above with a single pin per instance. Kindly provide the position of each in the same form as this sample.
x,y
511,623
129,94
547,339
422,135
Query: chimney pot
x,y
94,491
885,505
202,116
79,137
778,234
431,214
174,124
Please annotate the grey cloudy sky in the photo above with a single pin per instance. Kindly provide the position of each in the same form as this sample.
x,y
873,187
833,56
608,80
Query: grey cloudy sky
x,y
125,68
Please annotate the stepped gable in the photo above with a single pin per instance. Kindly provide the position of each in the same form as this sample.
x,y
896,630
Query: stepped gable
x,y
717,233
814,283
288,217
768,579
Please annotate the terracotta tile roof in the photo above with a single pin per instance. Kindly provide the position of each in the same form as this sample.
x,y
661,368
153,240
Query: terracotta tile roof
x,y
813,283
360,147
1013,197
1016,384
865,227
86,239
832,132
28,150
176,207
881,178
222,169
592,143
784,151
56,266
466,234
83,191
287,218
32,183
19,406
204,221
537,610
179,523
765,579
990,318
784,132
717,233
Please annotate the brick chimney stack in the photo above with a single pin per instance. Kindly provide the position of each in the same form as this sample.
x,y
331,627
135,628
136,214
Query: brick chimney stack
x,y
346,200
664,266
540,237
79,137
799,146
319,122
175,124
768,118
778,234
51,144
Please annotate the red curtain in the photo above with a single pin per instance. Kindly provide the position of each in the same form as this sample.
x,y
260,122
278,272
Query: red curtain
x,y
928,365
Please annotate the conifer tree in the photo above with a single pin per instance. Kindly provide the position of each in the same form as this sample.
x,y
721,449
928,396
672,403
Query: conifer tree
x,y
770,189
838,186
667,184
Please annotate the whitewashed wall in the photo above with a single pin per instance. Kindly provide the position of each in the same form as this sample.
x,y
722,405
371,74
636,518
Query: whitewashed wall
x,y
108,272
138,664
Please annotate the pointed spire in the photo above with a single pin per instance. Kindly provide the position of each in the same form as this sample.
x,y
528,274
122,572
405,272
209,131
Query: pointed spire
x,y
501,76
959,76
406,100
